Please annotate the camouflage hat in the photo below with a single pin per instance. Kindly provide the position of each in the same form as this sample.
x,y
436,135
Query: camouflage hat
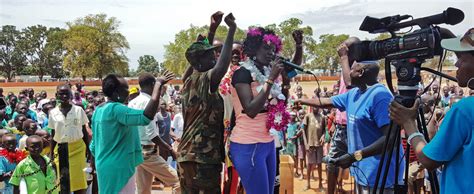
x,y
197,49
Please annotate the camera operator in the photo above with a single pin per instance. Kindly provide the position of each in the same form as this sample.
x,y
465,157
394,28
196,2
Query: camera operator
x,y
366,106
453,145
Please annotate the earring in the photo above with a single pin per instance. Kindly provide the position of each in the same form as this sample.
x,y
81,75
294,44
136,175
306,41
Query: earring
x,y
254,58
468,83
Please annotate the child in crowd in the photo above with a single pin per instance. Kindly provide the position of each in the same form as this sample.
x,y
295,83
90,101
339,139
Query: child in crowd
x,y
23,108
9,158
17,125
29,127
291,139
313,135
46,141
301,153
3,118
44,113
2,133
37,170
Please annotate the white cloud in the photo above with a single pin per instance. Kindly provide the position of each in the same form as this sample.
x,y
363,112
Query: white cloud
x,y
150,24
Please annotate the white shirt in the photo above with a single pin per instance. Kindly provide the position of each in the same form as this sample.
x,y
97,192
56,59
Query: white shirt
x,y
41,116
67,129
150,131
178,124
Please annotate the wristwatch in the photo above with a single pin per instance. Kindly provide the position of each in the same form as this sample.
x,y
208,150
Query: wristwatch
x,y
358,155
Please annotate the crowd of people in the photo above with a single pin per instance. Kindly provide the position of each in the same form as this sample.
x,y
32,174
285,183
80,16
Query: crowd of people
x,y
224,129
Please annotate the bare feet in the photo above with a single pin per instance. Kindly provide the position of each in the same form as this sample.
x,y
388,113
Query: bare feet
x,y
297,175
308,187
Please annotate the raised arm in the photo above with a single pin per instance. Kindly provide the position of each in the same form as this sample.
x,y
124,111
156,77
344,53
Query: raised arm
x,y
343,51
216,19
218,72
297,59
298,37
152,106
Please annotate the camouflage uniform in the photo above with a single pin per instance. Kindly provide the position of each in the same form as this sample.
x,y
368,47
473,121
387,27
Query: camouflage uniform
x,y
201,151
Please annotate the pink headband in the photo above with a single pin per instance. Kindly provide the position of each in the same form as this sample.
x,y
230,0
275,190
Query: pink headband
x,y
267,38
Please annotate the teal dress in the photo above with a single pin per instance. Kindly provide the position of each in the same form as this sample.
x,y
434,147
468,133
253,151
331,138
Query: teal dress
x,y
116,144
291,144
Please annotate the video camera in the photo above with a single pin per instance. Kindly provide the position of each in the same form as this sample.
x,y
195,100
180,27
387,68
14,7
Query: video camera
x,y
407,52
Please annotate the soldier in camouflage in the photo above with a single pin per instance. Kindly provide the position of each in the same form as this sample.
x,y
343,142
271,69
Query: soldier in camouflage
x,y
201,151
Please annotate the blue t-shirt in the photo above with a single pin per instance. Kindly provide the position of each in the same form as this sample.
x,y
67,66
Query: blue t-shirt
x,y
453,145
5,167
367,113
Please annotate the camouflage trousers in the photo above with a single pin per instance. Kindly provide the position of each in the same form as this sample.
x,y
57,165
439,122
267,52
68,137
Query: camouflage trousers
x,y
197,178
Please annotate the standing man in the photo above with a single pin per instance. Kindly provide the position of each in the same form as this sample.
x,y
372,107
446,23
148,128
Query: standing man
x,y
338,145
153,165
201,151
366,106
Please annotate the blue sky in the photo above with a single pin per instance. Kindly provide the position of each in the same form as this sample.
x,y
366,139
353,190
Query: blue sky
x,y
150,24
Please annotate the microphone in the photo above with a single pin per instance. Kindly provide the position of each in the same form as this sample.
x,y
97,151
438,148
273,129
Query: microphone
x,y
291,65
451,16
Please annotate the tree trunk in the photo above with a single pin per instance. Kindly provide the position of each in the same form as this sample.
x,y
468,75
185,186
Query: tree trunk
x,y
9,76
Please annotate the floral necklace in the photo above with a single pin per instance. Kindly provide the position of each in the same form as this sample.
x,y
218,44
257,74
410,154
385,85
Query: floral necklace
x,y
13,157
224,87
278,116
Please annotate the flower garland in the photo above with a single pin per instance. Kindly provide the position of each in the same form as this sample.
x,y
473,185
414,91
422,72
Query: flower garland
x,y
278,116
224,87
13,157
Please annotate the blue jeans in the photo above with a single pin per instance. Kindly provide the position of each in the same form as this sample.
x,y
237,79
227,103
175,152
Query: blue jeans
x,y
256,165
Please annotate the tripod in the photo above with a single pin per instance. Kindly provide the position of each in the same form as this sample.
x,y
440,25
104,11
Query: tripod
x,y
408,73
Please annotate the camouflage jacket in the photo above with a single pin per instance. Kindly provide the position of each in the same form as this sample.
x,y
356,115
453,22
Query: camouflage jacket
x,y
203,113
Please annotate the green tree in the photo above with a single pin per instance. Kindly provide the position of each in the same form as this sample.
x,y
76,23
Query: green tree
x,y
43,48
175,60
324,54
81,51
58,72
55,52
95,47
27,70
148,63
12,57
132,73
